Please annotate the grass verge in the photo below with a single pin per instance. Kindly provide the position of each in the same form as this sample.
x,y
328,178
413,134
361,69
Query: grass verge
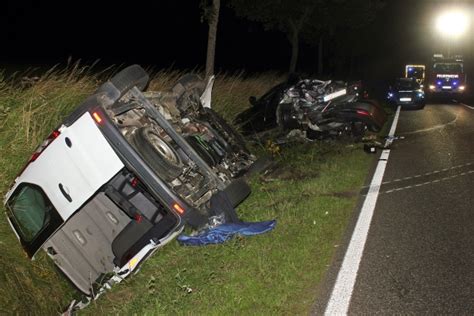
x,y
311,194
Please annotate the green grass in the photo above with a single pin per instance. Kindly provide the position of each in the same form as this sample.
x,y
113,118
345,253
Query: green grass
x,y
312,195
275,273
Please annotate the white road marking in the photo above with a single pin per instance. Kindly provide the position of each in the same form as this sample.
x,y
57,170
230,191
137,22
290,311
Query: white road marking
x,y
463,174
468,106
342,292
427,173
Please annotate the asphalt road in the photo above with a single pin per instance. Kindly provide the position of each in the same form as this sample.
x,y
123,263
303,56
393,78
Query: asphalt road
x,y
419,254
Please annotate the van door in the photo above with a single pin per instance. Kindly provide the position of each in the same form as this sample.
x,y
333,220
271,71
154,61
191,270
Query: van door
x,y
74,166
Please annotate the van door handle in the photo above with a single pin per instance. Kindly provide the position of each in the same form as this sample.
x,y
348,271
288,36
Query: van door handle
x,y
65,193
51,251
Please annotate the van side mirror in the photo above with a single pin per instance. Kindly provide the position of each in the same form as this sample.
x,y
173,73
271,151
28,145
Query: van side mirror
x,y
253,100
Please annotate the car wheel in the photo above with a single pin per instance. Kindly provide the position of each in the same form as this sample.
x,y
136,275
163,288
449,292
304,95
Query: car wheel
x,y
132,76
158,153
284,117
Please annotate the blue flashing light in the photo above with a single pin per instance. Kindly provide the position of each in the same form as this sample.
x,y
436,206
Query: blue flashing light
x,y
390,95
439,83
455,83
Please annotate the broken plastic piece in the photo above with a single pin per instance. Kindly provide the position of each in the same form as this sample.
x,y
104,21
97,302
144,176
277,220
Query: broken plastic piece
x,y
206,95
370,148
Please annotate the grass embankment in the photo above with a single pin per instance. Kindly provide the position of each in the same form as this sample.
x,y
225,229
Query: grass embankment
x,y
312,196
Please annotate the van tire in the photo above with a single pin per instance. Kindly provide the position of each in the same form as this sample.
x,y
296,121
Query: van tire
x,y
158,153
189,82
132,76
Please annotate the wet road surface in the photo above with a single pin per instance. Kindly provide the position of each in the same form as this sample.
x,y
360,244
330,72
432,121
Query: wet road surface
x,y
419,254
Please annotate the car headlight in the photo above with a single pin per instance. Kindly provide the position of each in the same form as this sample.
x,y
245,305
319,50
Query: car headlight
x,y
432,87
462,88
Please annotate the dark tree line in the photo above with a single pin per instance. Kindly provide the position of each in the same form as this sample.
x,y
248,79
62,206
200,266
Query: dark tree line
x,y
315,22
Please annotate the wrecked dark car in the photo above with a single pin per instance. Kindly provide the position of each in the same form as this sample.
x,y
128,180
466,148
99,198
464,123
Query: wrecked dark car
x,y
122,176
314,107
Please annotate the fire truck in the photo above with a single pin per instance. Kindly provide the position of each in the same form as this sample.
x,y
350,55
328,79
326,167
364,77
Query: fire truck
x,y
447,75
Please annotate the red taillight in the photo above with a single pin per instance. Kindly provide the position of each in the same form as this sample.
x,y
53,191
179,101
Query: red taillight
x,y
45,144
54,134
134,182
97,117
362,112
34,156
138,218
178,208
40,149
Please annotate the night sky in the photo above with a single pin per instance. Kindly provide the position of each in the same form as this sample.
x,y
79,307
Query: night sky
x,y
170,33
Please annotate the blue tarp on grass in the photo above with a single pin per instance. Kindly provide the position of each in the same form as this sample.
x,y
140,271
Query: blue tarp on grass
x,y
224,232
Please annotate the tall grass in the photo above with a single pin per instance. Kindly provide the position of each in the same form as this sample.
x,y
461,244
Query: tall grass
x,y
29,111
28,115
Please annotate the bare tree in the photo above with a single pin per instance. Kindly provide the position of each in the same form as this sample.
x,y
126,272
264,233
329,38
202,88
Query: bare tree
x,y
211,10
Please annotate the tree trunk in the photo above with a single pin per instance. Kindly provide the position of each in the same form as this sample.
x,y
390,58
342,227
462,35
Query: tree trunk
x,y
294,40
320,56
211,40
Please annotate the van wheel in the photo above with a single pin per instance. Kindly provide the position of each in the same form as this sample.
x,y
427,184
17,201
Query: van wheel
x,y
158,154
132,76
